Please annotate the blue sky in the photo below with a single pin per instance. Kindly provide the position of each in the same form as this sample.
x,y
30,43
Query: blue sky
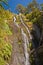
x,y
13,3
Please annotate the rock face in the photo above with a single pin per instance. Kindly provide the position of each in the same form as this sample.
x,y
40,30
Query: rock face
x,y
19,44
17,57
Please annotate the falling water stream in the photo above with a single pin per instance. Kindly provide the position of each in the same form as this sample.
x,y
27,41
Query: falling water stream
x,y
15,22
26,27
25,40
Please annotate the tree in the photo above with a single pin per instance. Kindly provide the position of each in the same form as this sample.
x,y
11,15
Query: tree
x,y
21,9
32,6
41,7
35,4
3,1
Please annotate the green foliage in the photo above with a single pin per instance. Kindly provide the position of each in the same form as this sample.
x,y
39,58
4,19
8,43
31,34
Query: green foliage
x,y
19,43
3,1
32,59
21,9
2,62
33,15
5,46
31,6
5,51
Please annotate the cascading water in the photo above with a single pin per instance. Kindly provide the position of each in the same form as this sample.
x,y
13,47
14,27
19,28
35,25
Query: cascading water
x,y
25,27
25,40
15,22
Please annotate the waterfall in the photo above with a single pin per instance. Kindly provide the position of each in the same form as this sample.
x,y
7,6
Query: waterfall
x,y
15,22
25,40
26,27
